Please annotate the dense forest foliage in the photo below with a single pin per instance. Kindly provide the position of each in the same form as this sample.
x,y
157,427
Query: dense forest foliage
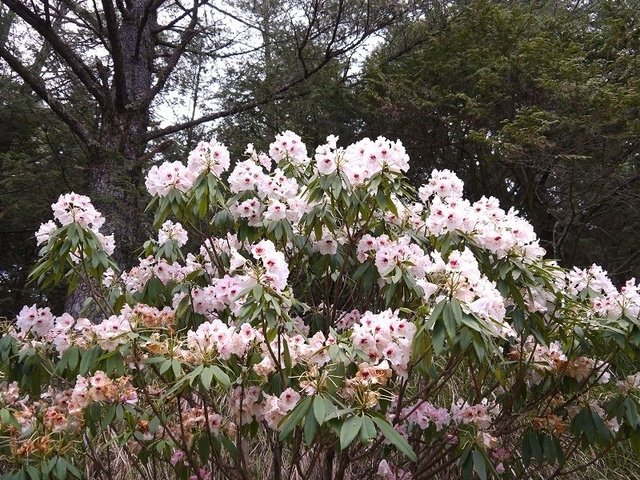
x,y
535,103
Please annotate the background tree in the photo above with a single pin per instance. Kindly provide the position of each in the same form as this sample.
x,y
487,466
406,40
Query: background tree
x,y
535,103
38,159
125,55
125,76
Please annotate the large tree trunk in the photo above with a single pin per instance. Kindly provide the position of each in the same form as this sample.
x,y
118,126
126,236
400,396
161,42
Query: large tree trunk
x,y
117,172
117,164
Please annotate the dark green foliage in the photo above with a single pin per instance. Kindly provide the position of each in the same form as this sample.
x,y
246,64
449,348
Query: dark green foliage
x,y
39,159
535,103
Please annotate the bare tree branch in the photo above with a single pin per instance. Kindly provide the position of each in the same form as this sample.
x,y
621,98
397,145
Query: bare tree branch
x,y
116,53
83,72
39,87
188,35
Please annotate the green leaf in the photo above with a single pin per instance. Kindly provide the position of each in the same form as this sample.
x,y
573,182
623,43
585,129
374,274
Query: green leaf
x,y
310,428
435,314
449,321
438,338
293,419
320,408
166,365
349,430
221,377
456,309
631,412
531,447
61,469
368,429
73,357
89,359
33,472
421,351
74,470
48,467
206,377
480,465
154,287
176,367
395,438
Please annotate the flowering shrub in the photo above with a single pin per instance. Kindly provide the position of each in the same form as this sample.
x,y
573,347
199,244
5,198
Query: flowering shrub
x,y
316,318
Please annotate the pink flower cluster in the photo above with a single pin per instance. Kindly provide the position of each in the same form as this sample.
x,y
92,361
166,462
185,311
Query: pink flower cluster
x,y
502,233
100,388
38,326
385,336
170,176
276,267
400,253
9,393
552,360
221,294
243,403
326,156
251,403
135,279
289,145
462,278
479,414
274,409
312,351
443,184
175,176
276,194
63,410
392,472
215,338
459,276
606,300
424,414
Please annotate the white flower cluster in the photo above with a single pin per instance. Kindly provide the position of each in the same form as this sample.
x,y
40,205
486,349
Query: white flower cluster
x,y
216,338
219,295
362,160
74,208
276,194
172,232
175,176
605,298
136,278
500,232
385,336
290,146
209,157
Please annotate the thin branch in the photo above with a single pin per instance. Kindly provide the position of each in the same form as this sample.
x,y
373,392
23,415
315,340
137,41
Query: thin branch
x,y
188,35
82,71
39,87
116,53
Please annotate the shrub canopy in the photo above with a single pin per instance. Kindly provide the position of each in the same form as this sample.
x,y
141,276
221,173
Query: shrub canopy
x,y
324,314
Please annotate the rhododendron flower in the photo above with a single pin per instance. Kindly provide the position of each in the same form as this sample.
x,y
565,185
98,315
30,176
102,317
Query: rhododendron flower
x,y
74,208
209,157
389,472
45,231
36,320
326,156
288,145
163,179
172,231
